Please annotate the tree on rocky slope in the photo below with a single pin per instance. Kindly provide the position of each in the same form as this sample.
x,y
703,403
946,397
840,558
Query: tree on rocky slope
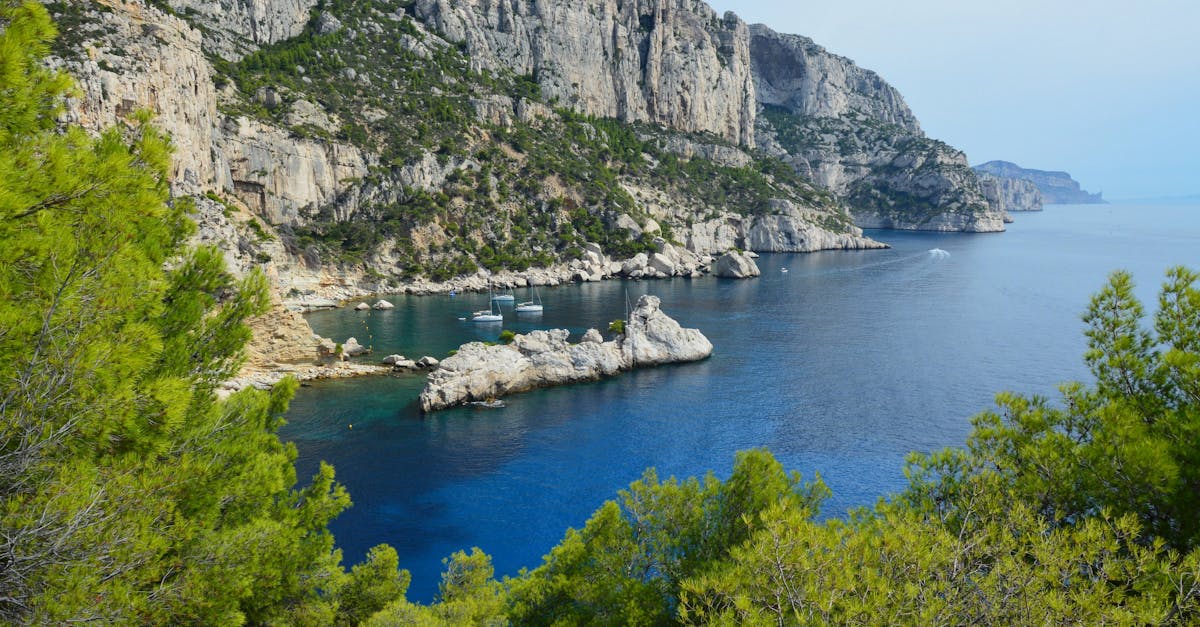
x,y
128,493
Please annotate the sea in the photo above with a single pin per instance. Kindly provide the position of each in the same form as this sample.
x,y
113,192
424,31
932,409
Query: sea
x,y
840,363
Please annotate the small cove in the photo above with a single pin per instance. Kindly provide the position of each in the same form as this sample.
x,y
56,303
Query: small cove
x,y
842,365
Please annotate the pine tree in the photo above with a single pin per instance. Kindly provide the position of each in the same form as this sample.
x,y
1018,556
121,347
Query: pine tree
x,y
128,492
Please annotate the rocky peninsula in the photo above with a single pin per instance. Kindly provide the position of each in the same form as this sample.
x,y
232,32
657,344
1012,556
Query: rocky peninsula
x,y
544,358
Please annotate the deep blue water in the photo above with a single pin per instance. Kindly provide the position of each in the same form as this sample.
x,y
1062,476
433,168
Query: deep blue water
x,y
841,366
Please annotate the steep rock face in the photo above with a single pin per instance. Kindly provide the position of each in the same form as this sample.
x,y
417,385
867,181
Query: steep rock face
x,y
145,59
851,132
671,62
545,358
1011,194
236,27
278,175
793,72
1056,187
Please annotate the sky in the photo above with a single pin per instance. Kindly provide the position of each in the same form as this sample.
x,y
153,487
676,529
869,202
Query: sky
x,y
1108,91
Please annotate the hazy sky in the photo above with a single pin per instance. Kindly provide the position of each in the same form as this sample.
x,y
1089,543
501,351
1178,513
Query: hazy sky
x,y
1107,90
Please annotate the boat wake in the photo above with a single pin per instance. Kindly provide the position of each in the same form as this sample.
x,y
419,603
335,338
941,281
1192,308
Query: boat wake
x,y
938,253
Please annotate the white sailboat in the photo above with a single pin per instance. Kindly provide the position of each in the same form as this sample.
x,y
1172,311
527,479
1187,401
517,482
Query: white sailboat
x,y
530,306
488,315
504,298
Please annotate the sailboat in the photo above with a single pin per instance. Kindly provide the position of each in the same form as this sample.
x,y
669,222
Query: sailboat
x,y
530,306
504,298
487,315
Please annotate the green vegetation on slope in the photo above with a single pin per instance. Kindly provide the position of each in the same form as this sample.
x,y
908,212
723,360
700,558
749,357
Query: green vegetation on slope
x,y
908,176
526,189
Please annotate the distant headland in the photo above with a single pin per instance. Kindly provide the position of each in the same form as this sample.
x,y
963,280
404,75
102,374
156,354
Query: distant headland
x,y
1056,187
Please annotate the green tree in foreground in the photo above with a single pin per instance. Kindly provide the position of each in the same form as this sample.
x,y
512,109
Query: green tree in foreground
x,y
128,493
1079,513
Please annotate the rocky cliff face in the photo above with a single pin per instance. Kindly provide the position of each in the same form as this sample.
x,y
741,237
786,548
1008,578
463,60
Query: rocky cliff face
x,y
670,62
794,73
851,132
131,57
1011,194
235,27
1055,187
544,358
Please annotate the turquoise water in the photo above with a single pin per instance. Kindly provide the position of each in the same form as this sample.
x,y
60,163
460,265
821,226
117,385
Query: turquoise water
x,y
841,366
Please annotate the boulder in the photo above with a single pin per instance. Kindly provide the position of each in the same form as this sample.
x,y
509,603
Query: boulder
x,y
662,264
736,265
383,304
637,263
592,337
351,348
361,307
428,362
392,360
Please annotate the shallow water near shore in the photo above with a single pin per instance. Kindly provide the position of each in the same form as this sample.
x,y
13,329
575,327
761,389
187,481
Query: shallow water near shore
x,y
841,365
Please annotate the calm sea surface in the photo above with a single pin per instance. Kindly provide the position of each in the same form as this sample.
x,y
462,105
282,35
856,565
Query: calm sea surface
x,y
841,365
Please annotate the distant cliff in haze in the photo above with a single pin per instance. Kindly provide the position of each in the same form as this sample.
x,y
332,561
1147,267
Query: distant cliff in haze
x,y
1056,187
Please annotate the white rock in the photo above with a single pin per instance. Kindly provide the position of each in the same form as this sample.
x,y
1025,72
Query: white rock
x,y
361,307
351,348
545,358
735,265
392,360
662,264
383,304
637,263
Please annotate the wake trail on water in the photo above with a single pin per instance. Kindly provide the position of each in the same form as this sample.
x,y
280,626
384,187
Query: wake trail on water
x,y
887,262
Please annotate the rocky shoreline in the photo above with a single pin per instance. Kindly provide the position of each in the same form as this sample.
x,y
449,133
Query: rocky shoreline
x,y
479,372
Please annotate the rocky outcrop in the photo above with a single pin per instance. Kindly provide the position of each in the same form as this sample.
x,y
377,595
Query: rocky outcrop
x,y
663,61
735,265
236,27
1010,194
544,358
851,132
278,175
1056,187
140,59
793,72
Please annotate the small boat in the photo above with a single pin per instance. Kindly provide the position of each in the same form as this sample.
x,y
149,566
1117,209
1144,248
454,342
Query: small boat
x,y
504,298
530,306
783,269
490,403
487,315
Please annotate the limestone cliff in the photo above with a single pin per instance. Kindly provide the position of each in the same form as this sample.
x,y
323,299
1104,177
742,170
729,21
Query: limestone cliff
x,y
235,27
1011,194
794,73
669,62
1055,187
848,130
387,145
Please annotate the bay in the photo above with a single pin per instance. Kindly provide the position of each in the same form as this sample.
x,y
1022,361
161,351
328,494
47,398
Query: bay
x,y
840,366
